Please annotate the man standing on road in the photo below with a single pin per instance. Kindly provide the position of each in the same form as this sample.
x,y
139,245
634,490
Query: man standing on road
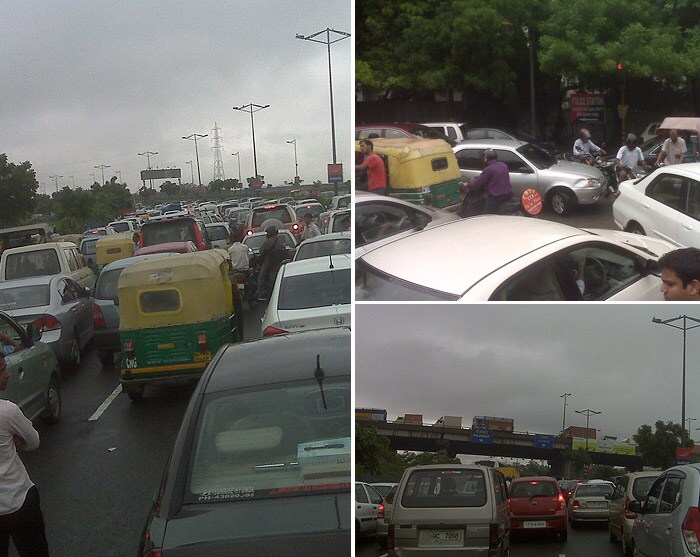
x,y
238,252
680,275
311,230
673,150
20,512
495,180
376,170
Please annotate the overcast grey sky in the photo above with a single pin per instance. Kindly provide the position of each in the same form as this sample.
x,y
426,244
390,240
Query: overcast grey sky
x,y
93,83
515,361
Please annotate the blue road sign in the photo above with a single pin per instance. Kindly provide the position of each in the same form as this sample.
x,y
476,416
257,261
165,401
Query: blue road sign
x,y
544,441
482,436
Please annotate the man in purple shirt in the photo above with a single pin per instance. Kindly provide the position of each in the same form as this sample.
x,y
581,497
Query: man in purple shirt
x,y
495,180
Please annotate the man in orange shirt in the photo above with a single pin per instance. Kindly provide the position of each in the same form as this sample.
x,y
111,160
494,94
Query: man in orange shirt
x,y
376,170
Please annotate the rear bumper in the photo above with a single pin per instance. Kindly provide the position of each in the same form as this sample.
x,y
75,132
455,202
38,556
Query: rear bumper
x,y
597,515
557,522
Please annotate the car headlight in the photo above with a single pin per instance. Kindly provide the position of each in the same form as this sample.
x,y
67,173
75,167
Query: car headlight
x,y
593,183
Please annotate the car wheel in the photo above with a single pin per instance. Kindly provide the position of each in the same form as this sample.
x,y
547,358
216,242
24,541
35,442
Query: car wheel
x,y
561,202
106,358
53,401
635,228
611,535
135,392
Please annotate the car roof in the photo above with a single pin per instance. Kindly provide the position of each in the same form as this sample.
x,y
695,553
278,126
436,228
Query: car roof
x,y
39,247
121,263
486,143
280,358
533,479
463,252
316,265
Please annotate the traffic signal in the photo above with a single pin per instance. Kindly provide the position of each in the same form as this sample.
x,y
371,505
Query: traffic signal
x,y
619,66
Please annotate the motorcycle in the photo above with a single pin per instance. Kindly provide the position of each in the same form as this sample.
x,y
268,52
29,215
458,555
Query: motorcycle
x,y
528,204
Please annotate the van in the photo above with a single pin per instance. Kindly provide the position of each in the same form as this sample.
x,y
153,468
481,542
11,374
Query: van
x,y
455,509
53,258
453,130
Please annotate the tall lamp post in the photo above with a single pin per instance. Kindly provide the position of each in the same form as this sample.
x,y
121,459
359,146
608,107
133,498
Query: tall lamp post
x,y
148,154
196,136
340,35
103,166
685,328
563,421
237,154
588,413
296,164
689,420
191,170
252,108
55,180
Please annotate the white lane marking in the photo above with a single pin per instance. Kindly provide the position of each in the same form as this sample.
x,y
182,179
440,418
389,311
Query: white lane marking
x,y
106,403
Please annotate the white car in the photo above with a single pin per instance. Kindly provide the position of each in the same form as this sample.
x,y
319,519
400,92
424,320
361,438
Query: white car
x,y
310,294
503,258
219,234
368,509
323,245
380,219
664,204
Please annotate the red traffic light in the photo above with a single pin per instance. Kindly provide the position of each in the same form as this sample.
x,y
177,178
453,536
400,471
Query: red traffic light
x,y
619,66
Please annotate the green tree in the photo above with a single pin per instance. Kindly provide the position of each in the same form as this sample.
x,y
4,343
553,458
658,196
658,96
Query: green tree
x,y
373,455
420,459
658,448
534,468
73,204
18,188
44,204
170,189
69,225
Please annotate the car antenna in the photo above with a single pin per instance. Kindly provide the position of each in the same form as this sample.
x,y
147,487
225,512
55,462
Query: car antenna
x,y
330,256
320,375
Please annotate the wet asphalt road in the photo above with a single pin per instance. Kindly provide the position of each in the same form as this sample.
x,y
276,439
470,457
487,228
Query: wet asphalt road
x,y
97,478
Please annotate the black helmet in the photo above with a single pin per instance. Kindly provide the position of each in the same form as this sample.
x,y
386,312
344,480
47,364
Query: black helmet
x,y
631,138
271,231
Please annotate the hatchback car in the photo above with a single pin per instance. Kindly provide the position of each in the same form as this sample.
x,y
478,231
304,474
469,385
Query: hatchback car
x,y
380,219
337,221
633,486
261,464
315,209
323,246
35,380
279,215
664,204
369,509
58,307
537,504
310,294
589,503
668,521
562,184
175,229
503,258
219,234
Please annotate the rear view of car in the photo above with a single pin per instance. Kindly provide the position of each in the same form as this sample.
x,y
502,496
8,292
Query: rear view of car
x,y
537,504
450,509
633,486
589,503
278,215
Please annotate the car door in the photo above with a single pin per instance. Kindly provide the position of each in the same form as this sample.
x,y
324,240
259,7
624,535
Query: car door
x,y
83,310
662,207
367,501
522,175
689,224
643,543
617,505
660,527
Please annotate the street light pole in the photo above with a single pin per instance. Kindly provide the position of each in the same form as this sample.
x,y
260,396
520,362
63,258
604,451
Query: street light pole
x,y
296,165
588,413
685,328
103,166
55,180
252,108
196,136
563,421
237,154
191,171
148,158
328,42
689,420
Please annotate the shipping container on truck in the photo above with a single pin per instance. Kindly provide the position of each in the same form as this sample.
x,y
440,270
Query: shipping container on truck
x,y
493,423
370,415
415,419
578,431
450,421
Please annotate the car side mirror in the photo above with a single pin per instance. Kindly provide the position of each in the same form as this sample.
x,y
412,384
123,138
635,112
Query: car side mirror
x,y
650,267
116,301
635,506
608,496
33,333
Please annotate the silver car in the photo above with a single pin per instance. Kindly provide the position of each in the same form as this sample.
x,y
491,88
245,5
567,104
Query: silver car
x,y
562,184
668,521
589,502
58,306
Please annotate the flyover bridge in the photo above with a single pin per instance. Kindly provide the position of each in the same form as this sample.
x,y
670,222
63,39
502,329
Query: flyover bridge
x,y
454,441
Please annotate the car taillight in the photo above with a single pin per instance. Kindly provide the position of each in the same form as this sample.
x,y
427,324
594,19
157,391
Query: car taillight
x,y
46,322
380,511
202,341
271,331
249,232
295,227
493,536
98,319
628,513
390,537
575,504
691,530
562,502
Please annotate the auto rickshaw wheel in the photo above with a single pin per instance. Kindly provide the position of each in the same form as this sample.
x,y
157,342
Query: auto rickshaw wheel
x,y
135,392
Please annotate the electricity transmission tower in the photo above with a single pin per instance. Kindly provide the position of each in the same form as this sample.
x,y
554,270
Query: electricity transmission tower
x,y
218,160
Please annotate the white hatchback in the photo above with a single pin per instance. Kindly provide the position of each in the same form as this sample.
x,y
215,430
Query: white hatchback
x,y
665,204
310,294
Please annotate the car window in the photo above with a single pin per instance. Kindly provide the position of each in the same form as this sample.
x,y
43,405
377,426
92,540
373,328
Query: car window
x,y
671,495
499,482
497,134
641,486
426,488
88,247
323,289
70,257
107,285
281,440
395,134
8,329
280,213
160,233
153,301
65,291
621,488
514,162
371,284
531,489
77,290
667,189
320,249
470,159
32,264
341,222
361,494
376,221
218,233
654,495
476,134
374,496
538,283
536,156
693,195
21,297
121,226
593,490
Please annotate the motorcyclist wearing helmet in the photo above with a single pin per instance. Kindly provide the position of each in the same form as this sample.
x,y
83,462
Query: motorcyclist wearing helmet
x,y
494,180
584,148
272,254
629,156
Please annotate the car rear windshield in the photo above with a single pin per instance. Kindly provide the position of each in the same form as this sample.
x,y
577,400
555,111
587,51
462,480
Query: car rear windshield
x,y
107,285
281,440
121,226
255,242
32,264
429,488
217,233
641,486
326,288
89,247
530,489
593,490
261,214
371,284
315,210
323,248
21,297
162,232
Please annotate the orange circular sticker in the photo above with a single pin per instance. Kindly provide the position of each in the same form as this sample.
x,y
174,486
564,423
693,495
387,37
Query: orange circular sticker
x,y
532,201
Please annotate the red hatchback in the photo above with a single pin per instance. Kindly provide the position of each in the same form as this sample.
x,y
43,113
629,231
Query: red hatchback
x,y
537,504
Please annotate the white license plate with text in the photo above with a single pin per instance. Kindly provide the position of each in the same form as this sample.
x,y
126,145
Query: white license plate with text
x,y
535,524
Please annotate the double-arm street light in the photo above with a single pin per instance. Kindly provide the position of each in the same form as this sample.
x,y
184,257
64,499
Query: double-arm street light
x,y
237,154
563,421
55,180
252,108
328,41
196,136
685,328
103,166
148,154
588,413
296,165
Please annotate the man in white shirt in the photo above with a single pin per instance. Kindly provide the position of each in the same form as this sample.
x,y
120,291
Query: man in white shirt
x,y
310,228
584,147
673,150
20,512
629,156
239,252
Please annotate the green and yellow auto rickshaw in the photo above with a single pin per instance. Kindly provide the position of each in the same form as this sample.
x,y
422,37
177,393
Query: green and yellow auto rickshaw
x,y
113,247
423,171
175,313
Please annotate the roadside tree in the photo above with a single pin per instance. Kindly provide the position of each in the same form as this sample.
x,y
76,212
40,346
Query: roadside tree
x,y
18,187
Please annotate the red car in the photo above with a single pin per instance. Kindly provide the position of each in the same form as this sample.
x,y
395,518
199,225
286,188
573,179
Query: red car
x,y
537,505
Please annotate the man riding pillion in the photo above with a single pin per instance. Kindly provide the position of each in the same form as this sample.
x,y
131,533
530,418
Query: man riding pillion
x,y
629,156
584,148
494,180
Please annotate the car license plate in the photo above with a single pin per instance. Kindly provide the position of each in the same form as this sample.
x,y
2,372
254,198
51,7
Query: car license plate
x,y
597,504
241,286
446,537
535,524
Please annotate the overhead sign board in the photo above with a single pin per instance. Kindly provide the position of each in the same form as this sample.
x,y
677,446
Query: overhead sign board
x,y
544,441
161,174
482,436
588,107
